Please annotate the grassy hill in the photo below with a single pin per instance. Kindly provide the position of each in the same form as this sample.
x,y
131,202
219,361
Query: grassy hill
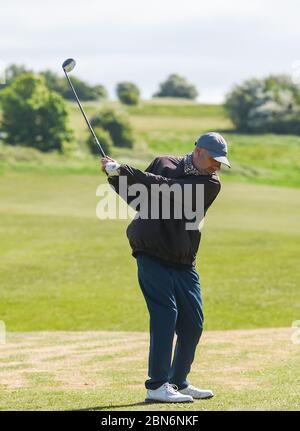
x,y
171,127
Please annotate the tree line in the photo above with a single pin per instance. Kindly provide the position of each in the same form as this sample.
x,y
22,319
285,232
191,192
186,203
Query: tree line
x,y
127,92
35,114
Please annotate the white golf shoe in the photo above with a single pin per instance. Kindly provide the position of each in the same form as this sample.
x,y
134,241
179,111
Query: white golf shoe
x,y
196,393
167,393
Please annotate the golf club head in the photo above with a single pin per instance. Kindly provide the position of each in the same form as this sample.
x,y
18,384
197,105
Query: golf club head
x,y
69,64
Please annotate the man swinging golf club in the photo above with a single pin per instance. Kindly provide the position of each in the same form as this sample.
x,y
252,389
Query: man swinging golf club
x,y
166,254
165,251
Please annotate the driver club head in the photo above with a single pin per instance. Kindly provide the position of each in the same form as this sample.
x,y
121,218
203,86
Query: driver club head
x,y
69,64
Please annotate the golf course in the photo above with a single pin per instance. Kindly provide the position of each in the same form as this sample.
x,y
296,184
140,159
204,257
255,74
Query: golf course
x,y
76,321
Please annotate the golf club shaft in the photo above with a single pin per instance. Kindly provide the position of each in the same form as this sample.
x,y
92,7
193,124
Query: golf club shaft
x,y
85,117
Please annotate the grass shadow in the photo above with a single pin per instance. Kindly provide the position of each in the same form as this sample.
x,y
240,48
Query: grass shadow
x,y
97,408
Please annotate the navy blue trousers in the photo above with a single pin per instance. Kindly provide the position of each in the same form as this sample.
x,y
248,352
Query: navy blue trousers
x,y
173,299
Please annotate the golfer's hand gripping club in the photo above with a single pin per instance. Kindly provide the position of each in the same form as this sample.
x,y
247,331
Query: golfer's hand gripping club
x,y
110,166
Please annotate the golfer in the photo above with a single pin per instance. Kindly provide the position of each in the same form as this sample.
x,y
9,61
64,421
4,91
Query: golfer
x,y
165,251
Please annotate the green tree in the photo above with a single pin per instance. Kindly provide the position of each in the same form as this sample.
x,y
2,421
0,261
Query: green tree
x,y
128,93
33,116
100,92
13,71
85,91
117,125
104,140
177,86
59,84
55,82
267,105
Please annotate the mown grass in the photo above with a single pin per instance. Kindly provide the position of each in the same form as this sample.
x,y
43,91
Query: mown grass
x,y
247,370
62,268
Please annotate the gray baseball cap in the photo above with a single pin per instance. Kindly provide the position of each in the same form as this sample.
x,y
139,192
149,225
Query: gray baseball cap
x,y
216,146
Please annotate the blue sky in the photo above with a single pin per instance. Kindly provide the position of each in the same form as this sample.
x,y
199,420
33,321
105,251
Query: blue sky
x,y
214,44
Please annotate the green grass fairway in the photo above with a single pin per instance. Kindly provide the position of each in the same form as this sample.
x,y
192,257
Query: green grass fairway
x,y
247,370
62,268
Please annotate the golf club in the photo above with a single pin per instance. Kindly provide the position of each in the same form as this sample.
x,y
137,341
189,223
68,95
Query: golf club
x,y
68,65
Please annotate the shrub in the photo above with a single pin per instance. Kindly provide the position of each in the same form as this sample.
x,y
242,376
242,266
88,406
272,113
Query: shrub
x,y
13,71
59,84
100,92
117,125
177,86
33,116
128,93
104,140
268,105
85,92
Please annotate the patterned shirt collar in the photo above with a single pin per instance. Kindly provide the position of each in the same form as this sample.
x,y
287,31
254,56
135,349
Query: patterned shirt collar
x,y
188,167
